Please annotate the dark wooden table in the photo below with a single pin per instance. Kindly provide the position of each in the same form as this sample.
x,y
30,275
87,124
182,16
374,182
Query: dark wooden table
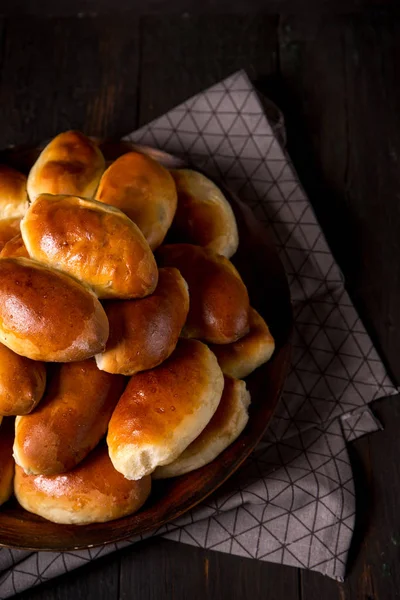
x,y
337,81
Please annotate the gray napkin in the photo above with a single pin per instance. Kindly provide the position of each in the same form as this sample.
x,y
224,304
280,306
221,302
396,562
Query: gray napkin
x,y
293,500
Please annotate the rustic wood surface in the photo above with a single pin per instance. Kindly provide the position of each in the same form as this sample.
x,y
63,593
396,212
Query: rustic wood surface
x,y
177,7
336,80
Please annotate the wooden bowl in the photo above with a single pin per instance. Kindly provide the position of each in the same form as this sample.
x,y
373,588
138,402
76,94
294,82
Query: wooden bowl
x,y
262,271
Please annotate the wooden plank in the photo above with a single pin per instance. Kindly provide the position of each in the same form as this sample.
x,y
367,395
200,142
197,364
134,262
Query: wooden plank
x,y
161,570
2,39
199,51
339,95
68,73
311,95
246,578
99,580
100,7
340,98
372,49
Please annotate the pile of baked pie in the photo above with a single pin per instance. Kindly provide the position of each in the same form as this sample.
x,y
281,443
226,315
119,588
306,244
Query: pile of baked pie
x,y
122,357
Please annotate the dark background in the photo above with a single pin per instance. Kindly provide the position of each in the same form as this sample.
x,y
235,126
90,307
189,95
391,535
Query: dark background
x,y
334,68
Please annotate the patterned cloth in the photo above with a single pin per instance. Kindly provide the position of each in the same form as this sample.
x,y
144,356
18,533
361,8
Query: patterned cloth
x,y
293,501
